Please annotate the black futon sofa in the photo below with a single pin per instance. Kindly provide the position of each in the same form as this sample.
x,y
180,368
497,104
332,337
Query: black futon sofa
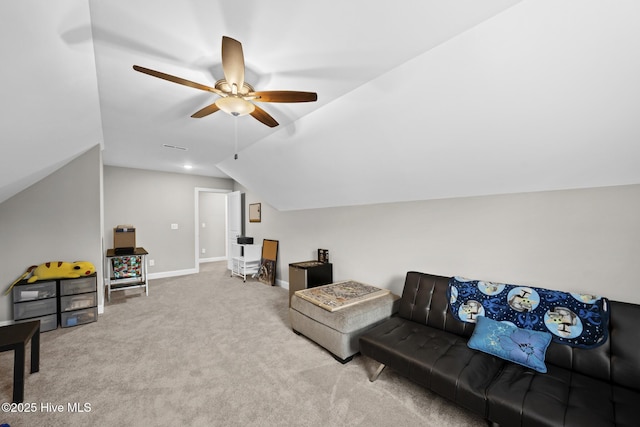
x,y
583,387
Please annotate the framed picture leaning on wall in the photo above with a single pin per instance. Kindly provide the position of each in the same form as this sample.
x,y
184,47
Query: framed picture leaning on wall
x,y
267,273
255,212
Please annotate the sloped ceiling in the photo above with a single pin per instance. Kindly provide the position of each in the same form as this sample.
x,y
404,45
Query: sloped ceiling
x,y
417,100
544,96
49,108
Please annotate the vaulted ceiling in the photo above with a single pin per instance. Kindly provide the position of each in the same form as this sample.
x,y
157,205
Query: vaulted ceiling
x,y
416,100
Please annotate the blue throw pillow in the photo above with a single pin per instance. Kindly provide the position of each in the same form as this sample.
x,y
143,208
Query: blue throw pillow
x,y
506,341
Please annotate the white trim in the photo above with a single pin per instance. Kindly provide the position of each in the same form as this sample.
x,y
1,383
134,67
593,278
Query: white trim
x,y
103,259
174,273
282,283
214,259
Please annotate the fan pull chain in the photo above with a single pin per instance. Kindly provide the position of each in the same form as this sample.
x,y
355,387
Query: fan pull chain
x,y
235,131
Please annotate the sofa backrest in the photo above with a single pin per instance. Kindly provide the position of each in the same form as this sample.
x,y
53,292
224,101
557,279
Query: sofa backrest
x,y
617,360
625,344
424,300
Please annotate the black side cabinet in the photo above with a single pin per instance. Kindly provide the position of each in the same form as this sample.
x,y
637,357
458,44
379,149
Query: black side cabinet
x,y
308,274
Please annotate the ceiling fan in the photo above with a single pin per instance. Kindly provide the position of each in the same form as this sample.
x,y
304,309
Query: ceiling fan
x,y
236,95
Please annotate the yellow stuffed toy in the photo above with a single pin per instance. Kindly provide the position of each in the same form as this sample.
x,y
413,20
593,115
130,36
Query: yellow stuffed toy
x,y
56,270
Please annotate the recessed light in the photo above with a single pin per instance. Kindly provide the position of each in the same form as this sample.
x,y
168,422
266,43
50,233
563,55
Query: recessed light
x,y
188,167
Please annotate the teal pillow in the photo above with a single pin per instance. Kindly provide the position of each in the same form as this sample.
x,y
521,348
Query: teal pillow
x,y
506,341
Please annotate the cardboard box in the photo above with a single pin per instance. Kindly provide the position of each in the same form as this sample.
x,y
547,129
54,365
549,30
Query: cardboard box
x,y
124,237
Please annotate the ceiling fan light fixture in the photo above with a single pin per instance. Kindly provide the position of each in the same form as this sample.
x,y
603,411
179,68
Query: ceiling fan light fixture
x,y
235,94
235,106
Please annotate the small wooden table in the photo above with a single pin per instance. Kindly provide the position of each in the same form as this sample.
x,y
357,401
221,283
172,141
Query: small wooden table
x,y
15,337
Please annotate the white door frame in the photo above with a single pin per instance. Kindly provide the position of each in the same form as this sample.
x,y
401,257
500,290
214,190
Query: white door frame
x,y
196,230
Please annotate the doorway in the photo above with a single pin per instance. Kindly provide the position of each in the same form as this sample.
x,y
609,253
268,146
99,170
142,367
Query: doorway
x,y
210,225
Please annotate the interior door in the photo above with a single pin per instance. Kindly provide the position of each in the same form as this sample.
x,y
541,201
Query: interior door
x,y
234,225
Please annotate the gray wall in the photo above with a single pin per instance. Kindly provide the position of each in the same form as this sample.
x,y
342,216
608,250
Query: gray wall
x,y
56,219
151,201
579,240
212,226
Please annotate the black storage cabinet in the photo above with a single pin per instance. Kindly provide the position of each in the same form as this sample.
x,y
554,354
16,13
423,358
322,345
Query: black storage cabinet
x,y
308,274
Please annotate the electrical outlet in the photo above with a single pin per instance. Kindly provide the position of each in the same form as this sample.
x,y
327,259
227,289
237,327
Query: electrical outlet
x,y
174,226
204,251
204,225
152,262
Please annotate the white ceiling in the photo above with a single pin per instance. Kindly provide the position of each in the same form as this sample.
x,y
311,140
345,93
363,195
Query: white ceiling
x,y
416,100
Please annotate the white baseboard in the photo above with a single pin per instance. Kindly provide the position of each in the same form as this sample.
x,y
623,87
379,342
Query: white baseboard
x,y
213,259
282,284
174,273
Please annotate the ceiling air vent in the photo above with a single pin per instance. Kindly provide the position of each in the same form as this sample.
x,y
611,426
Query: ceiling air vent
x,y
175,147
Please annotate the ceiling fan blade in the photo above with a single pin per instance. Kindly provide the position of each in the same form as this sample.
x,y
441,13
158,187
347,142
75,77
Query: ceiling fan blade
x,y
209,109
264,117
283,96
178,80
232,62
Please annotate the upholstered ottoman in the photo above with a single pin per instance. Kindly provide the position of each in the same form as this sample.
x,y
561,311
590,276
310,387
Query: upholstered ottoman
x,y
339,330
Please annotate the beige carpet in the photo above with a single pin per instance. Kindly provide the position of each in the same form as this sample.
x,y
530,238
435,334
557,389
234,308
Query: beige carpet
x,y
208,350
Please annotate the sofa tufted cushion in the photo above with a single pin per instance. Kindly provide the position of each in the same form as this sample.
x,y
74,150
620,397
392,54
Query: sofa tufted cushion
x,y
623,346
424,300
560,397
583,387
433,358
